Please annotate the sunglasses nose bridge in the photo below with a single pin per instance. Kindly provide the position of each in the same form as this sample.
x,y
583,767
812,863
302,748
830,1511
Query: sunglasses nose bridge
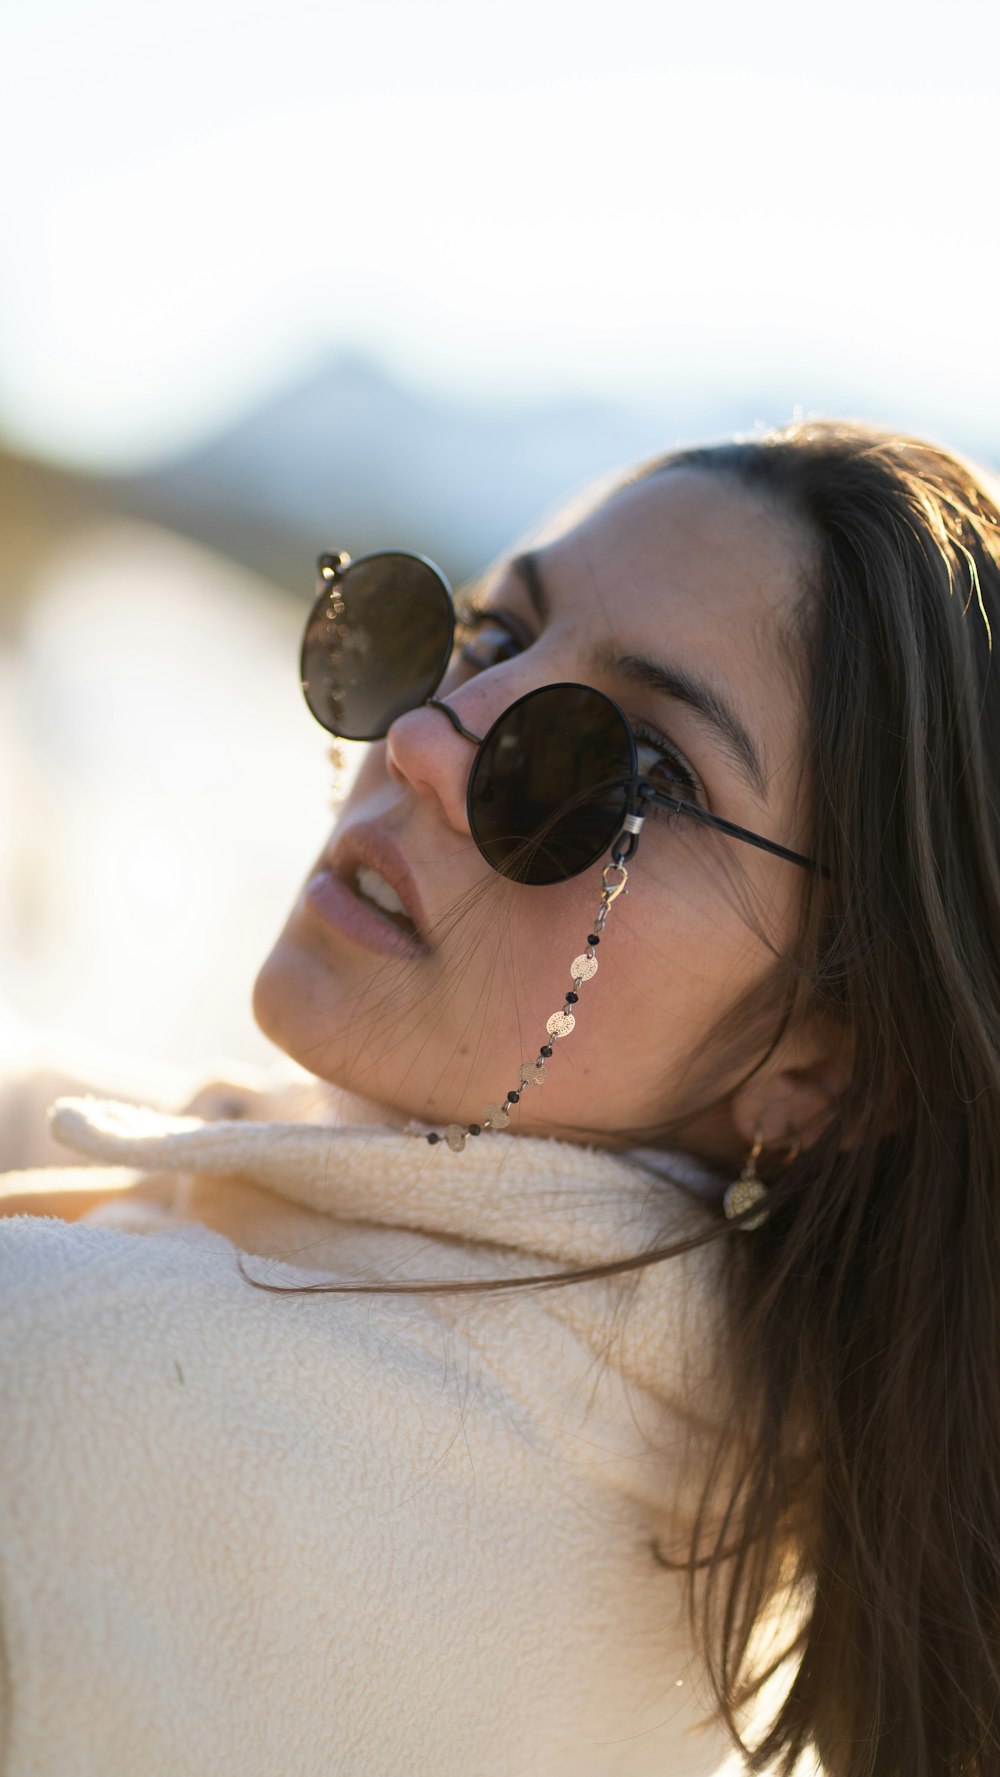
x,y
436,703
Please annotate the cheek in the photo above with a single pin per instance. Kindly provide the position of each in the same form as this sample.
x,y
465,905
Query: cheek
x,y
370,775
681,951
666,972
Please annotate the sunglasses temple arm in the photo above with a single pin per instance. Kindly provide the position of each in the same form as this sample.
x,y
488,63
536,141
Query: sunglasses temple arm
x,y
723,826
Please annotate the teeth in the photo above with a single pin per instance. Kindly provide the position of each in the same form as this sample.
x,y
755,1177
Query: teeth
x,y
375,888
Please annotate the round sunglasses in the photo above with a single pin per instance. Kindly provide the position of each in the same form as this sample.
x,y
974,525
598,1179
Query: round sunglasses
x,y
555,782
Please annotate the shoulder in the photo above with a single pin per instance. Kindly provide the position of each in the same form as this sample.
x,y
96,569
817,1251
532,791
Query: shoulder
x,y
203,1470
147,1385
135,1355
342,1514
79,1297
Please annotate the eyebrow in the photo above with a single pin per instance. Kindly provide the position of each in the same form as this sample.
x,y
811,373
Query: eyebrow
x,y
667,679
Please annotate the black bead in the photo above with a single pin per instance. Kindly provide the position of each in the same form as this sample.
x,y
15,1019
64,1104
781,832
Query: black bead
x,y
513,1097
545,1050
433,1137
593,939
571,999
474,1129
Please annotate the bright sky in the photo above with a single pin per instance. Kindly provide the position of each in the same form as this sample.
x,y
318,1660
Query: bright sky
x,y
548,195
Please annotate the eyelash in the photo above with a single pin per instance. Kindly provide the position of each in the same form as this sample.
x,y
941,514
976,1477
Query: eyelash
x,y
474,616
471,618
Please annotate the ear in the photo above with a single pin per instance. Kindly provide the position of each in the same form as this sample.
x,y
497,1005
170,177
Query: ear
x,y
795,1095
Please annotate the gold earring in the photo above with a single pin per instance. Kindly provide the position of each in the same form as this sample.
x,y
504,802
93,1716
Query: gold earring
x,y
748,1189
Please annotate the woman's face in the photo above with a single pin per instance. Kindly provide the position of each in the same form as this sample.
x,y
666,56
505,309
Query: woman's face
x,y
686,569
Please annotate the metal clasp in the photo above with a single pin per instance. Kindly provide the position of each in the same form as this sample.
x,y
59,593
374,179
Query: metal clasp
x,y
611,890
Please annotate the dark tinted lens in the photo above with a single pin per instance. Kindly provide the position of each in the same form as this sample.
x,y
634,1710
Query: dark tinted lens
x,y
548,790
376,644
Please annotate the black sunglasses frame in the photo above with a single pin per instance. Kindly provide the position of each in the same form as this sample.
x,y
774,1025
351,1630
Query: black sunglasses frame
x,y
638,792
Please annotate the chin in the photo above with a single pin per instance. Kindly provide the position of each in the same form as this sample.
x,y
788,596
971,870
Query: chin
x,y
277,1003
294,1006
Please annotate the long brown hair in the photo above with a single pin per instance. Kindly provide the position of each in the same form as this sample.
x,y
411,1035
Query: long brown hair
x,y
866,1313
863,1443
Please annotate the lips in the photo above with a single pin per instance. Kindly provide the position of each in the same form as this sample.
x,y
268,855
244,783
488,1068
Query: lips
x,y
368,847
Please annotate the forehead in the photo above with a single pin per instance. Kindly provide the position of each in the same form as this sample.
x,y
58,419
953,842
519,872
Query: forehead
x,y
689,543
690,567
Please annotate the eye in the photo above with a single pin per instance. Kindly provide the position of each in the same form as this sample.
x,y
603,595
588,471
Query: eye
x,y
485,637
664,767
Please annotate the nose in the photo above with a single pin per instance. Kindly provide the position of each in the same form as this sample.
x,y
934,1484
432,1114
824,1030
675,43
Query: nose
x,y
430,750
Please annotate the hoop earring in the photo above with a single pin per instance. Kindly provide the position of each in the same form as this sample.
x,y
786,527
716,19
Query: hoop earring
x,y
747,1190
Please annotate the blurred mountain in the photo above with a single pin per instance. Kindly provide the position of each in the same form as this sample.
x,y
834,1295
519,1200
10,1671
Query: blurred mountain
x,y
350,458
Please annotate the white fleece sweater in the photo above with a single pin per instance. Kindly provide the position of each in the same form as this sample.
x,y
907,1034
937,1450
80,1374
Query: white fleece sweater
x,y
257,1534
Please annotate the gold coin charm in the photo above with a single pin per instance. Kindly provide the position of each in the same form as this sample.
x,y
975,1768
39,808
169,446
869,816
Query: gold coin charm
x,y
533,1073
583,968
454,1135
560,1024
743,1195
496,1115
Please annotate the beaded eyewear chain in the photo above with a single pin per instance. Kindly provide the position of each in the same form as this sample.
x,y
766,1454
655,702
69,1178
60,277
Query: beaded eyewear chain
x,y
561,1024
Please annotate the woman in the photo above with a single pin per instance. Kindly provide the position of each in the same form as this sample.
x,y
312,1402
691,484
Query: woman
x,y
360,1502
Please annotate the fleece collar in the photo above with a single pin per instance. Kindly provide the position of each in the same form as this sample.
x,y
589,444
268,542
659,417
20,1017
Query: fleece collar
x,y
575,1204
